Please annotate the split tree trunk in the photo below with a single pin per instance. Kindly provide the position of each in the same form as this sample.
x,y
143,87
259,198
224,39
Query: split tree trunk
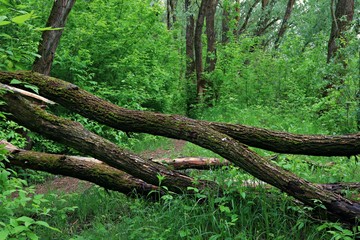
x,y
173,126
50,39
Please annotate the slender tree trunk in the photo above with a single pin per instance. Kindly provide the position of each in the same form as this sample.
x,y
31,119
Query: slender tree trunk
x,y
170,13
265,20
190,26
284,23
247,17
225,22
173,126
200,81
207,10
50,39
210,34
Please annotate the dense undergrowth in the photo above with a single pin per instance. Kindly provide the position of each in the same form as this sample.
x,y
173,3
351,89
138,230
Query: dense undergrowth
x,y
129,58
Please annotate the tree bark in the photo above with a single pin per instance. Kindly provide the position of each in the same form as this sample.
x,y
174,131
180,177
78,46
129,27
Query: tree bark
x,y
284,23
173,126
50,39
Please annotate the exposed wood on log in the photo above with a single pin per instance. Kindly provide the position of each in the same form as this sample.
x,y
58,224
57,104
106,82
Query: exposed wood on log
x,y
192,162
27,94
173,126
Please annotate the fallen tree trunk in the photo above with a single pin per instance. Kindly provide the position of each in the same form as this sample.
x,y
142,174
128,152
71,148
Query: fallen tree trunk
x,y
75,135
98,172
173,126
88,169
70,96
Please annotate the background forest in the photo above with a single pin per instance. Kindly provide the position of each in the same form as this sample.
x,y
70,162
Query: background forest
x,y
261,63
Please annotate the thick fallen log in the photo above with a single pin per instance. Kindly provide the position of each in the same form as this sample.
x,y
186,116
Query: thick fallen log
x,y
173,126
98,172
88,169
71,96
74,134
282,142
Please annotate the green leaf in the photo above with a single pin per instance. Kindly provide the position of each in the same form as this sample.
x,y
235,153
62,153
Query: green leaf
x,y
22,18
27,221
2,23
47,29
4,234
32,236
19,229
32,87
15,81
45,224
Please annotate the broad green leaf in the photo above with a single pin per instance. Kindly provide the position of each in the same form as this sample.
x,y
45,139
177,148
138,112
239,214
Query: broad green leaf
x,y
32,236
32,87
4,234
22,18
25,219
19,229
2,23
15,81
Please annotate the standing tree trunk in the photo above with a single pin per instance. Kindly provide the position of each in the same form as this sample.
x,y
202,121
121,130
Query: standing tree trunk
x,y
225,22
207,10
170,13
50,39
247,17
265,20
200,81
284,23
190,26
341,19
210,34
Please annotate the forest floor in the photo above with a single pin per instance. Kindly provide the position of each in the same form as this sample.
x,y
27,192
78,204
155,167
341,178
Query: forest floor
x,y
65,184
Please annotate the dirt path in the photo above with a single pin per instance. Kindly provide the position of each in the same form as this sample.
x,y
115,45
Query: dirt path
x,y
69,184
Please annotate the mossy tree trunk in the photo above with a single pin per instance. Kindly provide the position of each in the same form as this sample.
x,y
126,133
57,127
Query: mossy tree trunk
x,y
173,126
